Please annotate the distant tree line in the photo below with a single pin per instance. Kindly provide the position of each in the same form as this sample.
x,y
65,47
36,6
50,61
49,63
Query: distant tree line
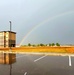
x,y
41,44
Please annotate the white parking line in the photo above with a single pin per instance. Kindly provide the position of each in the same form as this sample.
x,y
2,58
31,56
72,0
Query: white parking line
x,y
70,61
39,58
25,73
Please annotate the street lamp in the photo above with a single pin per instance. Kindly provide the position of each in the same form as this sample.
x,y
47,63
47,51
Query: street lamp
x,y
10,35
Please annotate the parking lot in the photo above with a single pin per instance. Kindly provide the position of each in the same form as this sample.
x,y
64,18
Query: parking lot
x,y
36,64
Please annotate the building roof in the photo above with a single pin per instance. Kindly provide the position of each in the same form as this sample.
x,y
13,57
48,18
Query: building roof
x,y
8,31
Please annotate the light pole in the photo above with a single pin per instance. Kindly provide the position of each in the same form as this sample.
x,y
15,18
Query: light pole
x,y
10,35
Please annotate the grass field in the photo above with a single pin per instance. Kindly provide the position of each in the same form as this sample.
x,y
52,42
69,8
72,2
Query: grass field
x,y
41,49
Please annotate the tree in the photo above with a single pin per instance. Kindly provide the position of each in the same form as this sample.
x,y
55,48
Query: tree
x,y
57,44
38,45
53,44
29,44
50,44
41,44
33,45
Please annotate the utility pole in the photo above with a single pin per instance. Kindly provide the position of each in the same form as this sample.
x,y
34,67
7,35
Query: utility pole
x,y
10,35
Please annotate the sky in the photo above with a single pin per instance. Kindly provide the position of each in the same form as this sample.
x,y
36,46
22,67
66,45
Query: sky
x,y
39,21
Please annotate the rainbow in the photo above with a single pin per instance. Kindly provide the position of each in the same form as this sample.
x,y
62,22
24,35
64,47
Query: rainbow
x,y
41,23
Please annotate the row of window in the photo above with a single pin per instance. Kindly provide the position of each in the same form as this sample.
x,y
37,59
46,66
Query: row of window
x,y
13,41
12,45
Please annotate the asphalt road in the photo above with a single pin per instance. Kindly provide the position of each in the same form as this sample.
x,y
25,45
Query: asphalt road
x,y
30,64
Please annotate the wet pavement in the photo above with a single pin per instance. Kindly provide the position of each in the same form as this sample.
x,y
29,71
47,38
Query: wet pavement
x,y
32,64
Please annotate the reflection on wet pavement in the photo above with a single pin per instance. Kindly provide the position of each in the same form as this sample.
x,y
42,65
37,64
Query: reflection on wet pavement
x,y
32,64
8,59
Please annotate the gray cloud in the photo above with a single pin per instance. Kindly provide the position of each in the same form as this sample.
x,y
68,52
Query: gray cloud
x,y
25,14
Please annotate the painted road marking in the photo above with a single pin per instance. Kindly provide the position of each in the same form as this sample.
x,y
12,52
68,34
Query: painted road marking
x,y
39,58
25,73
70,61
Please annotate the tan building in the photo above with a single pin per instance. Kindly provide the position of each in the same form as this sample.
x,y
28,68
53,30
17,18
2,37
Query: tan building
x,y
7,39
